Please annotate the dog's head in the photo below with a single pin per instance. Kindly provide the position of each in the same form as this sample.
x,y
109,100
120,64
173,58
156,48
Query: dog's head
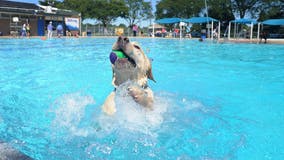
x,y
135,57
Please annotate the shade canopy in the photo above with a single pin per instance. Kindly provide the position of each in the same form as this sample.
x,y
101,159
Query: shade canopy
x,y
200,20
274,22
244,21
168,20
190,20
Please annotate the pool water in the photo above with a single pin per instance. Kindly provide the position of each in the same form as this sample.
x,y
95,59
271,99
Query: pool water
x,y
212,101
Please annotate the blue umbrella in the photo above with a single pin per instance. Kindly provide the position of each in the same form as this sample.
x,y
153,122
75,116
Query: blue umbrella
x,y
274,22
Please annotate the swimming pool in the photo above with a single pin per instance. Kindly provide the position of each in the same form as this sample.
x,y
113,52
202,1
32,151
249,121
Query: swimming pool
x,y
212,101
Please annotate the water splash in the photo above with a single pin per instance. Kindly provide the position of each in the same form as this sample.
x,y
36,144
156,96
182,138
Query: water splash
x,y
69,110
132,116
177,128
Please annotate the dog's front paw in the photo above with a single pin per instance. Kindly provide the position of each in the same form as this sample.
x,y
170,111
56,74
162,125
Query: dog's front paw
x,y
136,93
142,96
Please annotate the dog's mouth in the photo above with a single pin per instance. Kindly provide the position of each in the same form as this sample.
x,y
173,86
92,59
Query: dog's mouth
x,y
128,58
127,62
124,61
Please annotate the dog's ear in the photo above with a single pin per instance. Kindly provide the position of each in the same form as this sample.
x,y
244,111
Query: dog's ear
x,y
150,74
149,69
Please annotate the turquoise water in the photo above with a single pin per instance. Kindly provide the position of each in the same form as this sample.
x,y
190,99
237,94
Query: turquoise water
x,y
212,101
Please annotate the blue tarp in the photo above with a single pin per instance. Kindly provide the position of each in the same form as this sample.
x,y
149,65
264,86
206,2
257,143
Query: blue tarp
x,y
274,22
168,20
200,20
244,21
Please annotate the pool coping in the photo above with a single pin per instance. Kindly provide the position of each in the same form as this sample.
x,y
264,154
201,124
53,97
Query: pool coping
x,y
222,40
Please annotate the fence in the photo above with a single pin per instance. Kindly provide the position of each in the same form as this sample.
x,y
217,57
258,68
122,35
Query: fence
x,y
99,30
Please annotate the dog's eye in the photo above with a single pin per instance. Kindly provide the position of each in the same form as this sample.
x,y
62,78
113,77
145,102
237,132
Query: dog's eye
x,y
137,47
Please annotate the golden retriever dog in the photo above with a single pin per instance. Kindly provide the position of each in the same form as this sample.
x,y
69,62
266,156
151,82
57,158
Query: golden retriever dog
x,y
135,67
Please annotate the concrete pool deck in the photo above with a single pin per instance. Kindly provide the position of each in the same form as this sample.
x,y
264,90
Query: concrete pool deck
x,y
223,40
269,41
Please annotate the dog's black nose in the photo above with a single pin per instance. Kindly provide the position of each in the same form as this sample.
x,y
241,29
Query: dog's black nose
x,y
119,38
125,39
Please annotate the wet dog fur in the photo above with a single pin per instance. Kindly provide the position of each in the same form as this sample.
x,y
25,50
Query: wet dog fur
x,y
136,68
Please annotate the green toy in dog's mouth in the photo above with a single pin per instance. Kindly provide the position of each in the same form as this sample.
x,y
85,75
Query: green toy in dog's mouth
x,y
119,55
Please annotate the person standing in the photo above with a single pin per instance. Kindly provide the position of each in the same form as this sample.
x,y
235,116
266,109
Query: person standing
x,y
164,32
176,32
28,30
215,33
24,30
263,35
49,30
134,29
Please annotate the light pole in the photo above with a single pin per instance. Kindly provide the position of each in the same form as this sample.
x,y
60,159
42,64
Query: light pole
x,y
153,24
207,24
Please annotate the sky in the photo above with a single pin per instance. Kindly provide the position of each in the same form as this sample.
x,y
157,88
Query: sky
x,y
117,22
28,1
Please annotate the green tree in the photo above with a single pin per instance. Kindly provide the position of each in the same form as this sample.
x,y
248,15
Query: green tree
x,y
138,10
244,7
178,8
220,9
258,8
271,9
54,3
85,7
104,11
107,11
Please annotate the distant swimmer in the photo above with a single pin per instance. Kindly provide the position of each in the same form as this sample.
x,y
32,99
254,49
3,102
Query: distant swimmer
x,y
43,38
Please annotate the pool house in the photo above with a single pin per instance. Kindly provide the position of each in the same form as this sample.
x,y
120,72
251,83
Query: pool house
x,y
14,14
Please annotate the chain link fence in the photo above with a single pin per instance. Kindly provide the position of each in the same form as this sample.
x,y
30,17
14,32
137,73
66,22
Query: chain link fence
x,y
99,30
